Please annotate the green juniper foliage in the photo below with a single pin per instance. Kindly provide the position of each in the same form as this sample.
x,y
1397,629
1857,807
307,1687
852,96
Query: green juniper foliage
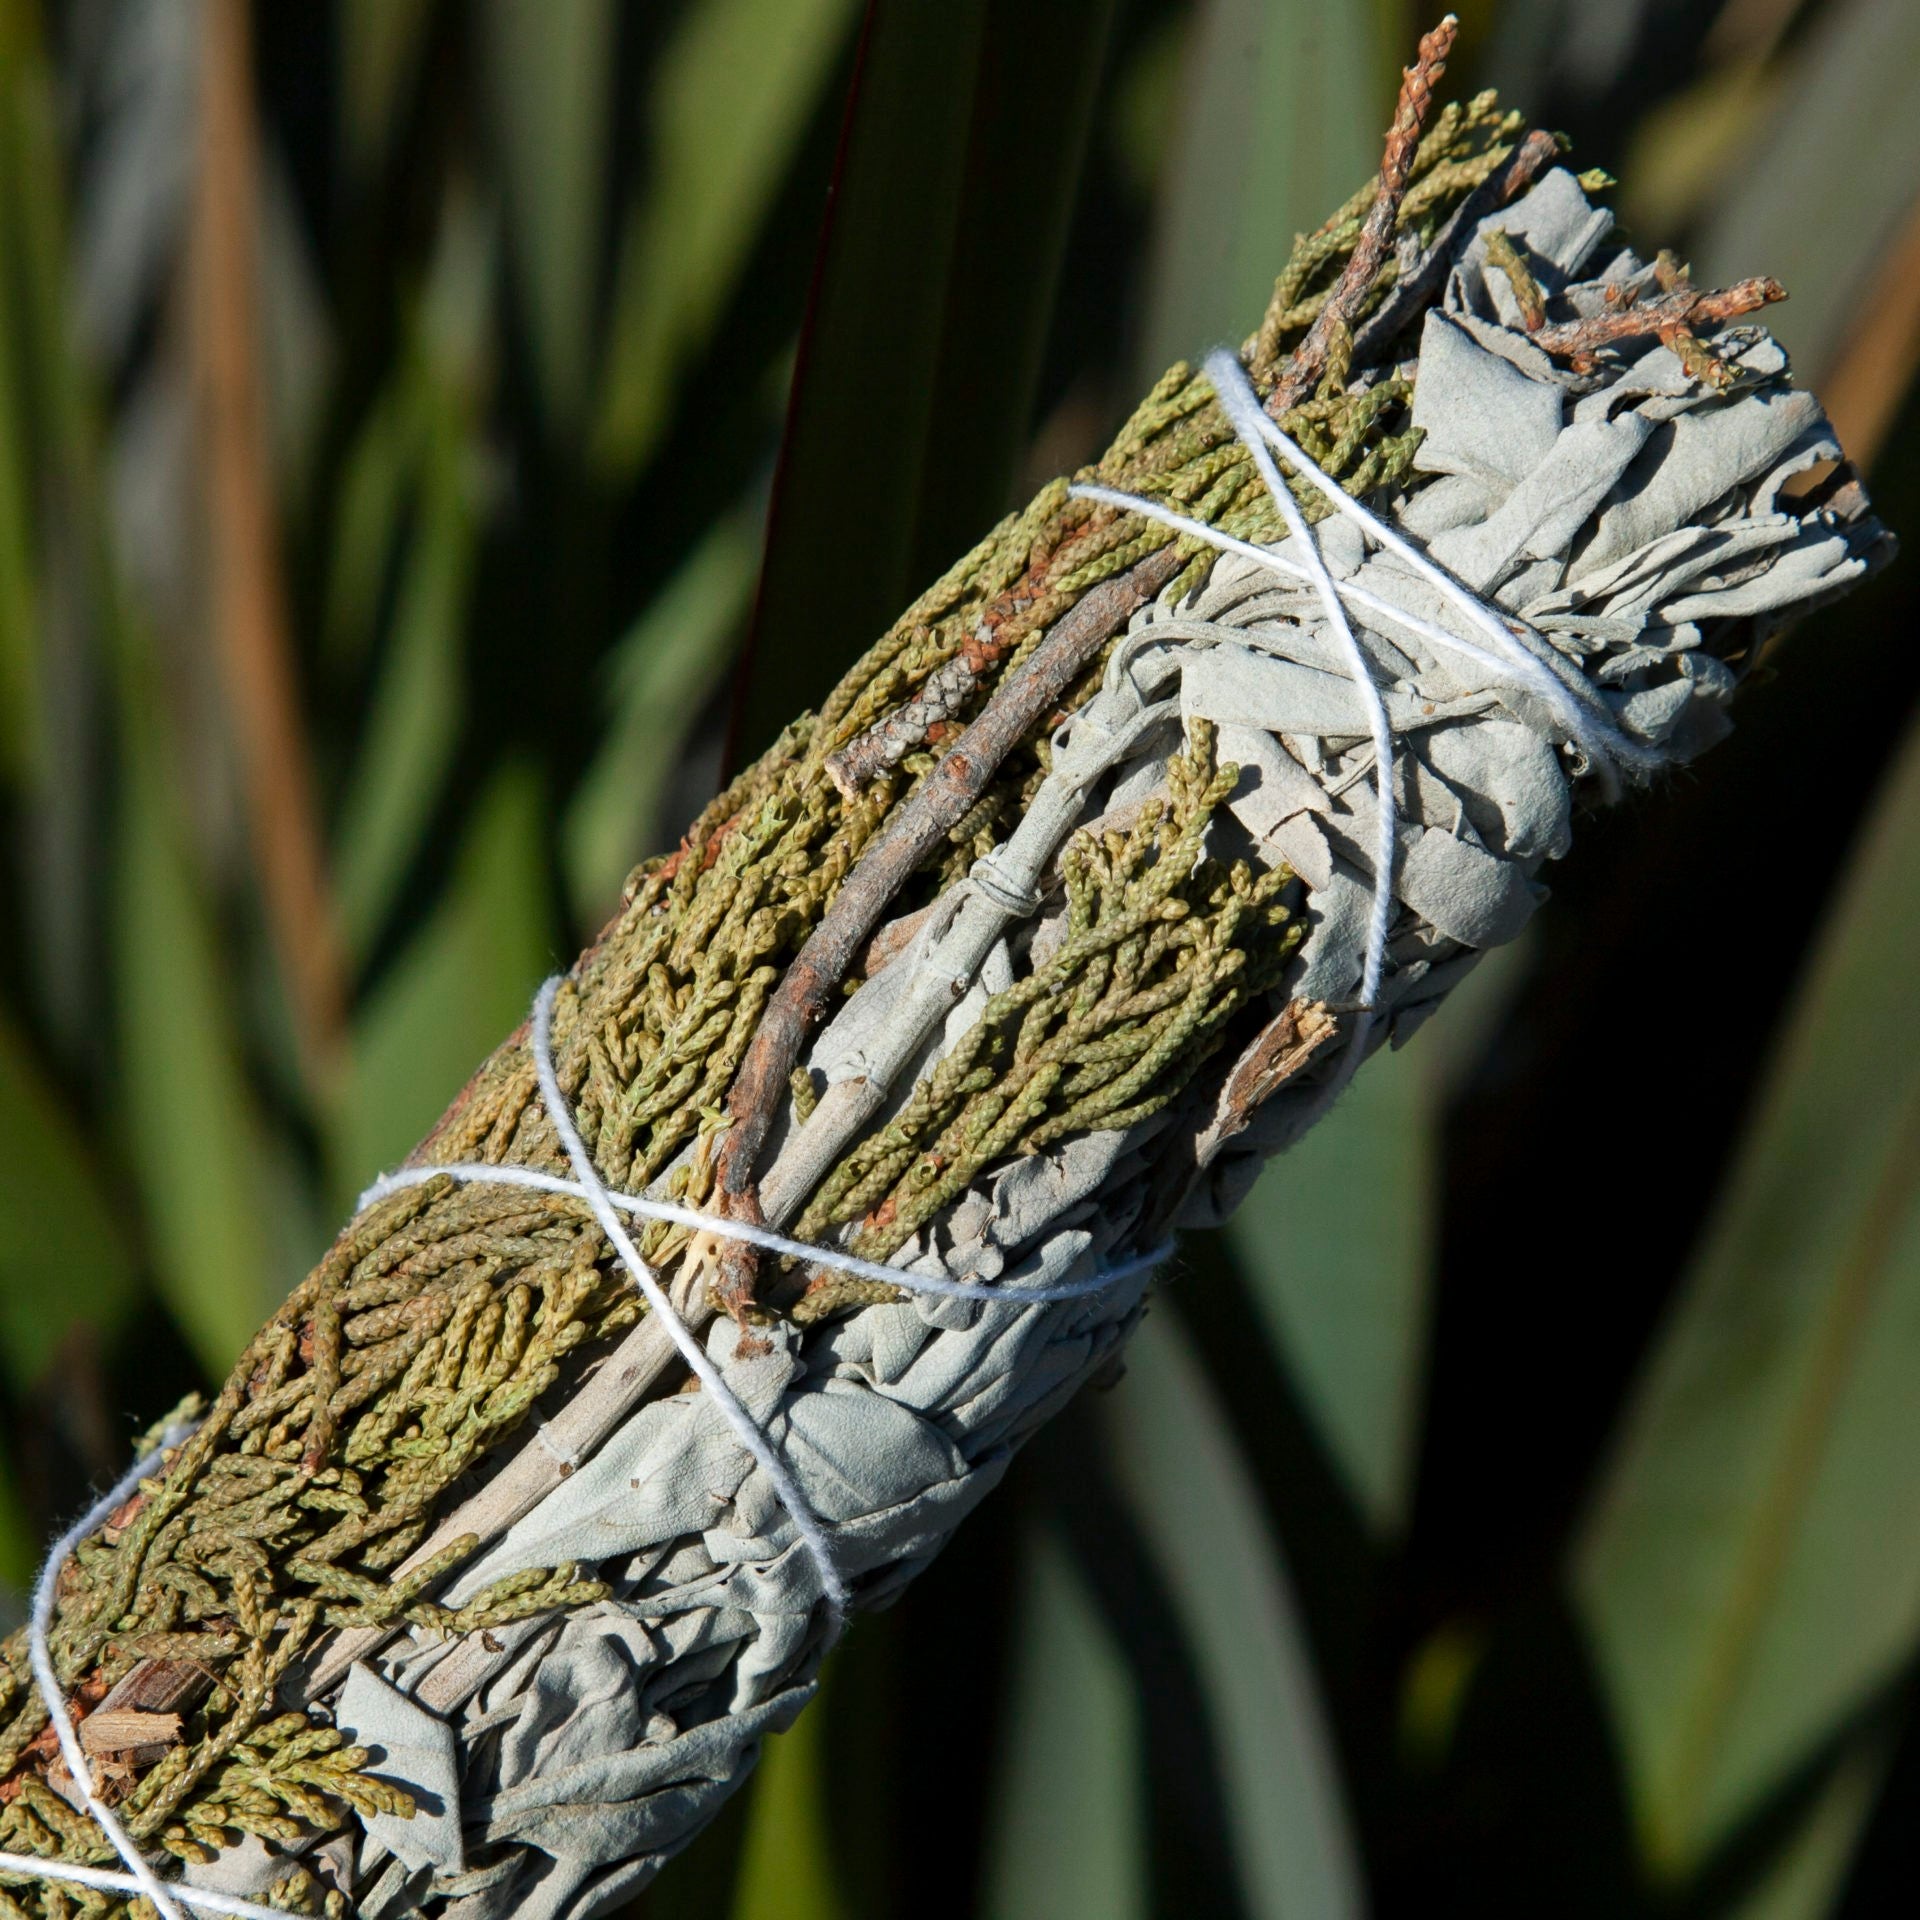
x,y
1162,948
423,1339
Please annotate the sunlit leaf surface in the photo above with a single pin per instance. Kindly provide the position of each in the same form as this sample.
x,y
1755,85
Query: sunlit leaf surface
x,y
460,988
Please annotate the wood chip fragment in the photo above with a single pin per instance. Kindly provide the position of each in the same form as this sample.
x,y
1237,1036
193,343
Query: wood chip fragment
x,y
115,1729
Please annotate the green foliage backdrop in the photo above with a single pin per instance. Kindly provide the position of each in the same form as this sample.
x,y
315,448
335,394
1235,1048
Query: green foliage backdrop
x,y
435,437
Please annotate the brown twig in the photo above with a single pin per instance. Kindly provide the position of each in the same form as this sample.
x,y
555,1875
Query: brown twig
x,y
954,786
1682,312
248,589
940,701
949,690
1308,360
1417,289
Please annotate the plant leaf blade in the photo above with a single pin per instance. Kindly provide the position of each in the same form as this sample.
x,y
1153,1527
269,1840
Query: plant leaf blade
x,y
1749,1573
1198,1510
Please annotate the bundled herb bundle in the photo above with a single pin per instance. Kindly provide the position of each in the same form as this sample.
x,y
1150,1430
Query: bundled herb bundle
x,y
1080,896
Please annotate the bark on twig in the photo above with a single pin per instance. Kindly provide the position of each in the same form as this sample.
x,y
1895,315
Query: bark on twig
x,y
1308,360
1018,705
937,705
1414,292
1680,313
927,717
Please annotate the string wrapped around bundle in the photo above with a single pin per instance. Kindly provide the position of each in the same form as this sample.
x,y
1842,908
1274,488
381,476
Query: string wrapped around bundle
x,y
842,1159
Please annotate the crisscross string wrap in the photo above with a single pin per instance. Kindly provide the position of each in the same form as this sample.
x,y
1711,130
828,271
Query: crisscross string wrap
x,y
1509,651
607,1207
1501,648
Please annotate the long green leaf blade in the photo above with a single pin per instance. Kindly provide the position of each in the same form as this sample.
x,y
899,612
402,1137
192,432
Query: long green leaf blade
x,y
64,1257
21,750
1281,108
462,986
380,45
1750,1571
19,1550
420,448
1335,1243
662,671
1808,1878
729,100
550,66
196,1136
1198,1510
914,388
1847,118
1069,1818
861,399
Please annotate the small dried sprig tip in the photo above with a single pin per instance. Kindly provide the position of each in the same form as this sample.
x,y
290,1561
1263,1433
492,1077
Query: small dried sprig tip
x,y
1417,82
1677,318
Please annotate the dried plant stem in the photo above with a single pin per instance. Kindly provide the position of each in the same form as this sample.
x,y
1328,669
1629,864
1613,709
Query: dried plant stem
x,y
1681,312
1309,359
248,588
1416,290
1018,704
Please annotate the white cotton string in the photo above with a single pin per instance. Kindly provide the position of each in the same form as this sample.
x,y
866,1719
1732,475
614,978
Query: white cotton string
x,y
39,1624
203,1899
1242,407
140,1877
480,1174
1349,590
593,1190
590,1188
607,1206
1580,712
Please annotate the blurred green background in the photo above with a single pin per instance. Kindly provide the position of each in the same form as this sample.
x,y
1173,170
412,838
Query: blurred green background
x,y
435,437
